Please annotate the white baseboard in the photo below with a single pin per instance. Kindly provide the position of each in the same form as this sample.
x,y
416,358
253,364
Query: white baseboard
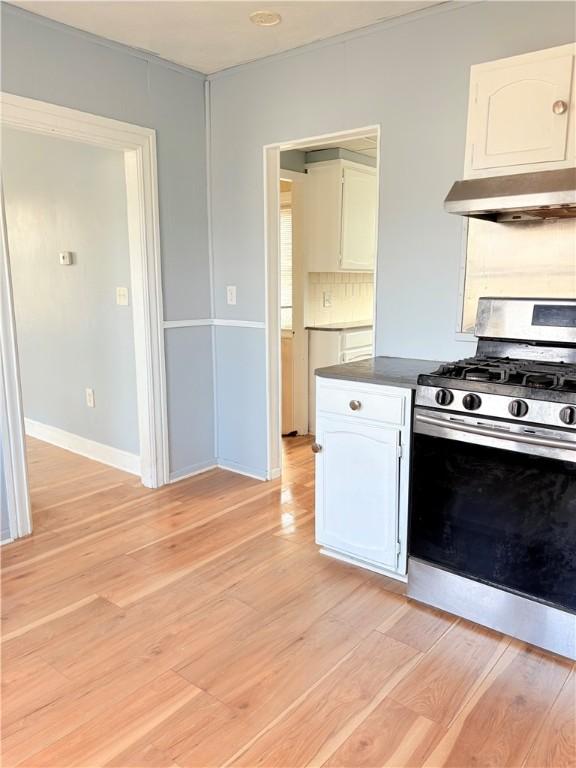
x,y
114,457
6,541
241,469
194,469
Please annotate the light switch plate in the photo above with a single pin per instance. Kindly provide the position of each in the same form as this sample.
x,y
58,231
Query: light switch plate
x,y
122,297
231,294
326,299
90,402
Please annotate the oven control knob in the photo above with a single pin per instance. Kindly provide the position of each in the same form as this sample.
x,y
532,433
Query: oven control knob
x,y
568,415
471,402
444,397
518,408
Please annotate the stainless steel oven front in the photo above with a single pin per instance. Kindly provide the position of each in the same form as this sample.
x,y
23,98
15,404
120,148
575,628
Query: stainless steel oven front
x,y
495,502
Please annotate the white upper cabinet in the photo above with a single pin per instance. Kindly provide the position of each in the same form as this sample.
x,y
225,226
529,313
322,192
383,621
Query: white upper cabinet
x,y
341,208
359,204
521,114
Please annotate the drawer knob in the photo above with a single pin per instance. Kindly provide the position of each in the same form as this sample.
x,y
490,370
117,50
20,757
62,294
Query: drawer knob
x,y
316,447
355,405
559,107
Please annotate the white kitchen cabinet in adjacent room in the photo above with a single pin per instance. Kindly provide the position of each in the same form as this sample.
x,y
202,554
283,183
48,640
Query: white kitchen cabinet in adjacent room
x,y
521,114
359,207
362,464
341,212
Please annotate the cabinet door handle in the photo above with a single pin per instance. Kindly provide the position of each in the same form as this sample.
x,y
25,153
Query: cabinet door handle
x,y
559,107
355,405
316,447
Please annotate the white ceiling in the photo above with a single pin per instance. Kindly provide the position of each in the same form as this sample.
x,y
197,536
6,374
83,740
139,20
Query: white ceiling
x,y
210,36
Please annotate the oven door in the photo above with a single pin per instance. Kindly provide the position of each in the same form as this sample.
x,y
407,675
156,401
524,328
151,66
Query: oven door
x,y
496,502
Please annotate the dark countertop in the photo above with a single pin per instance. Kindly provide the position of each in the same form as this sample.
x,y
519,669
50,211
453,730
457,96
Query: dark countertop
x,y
395,371
344,326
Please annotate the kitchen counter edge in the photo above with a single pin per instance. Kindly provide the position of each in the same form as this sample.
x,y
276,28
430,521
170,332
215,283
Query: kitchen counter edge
x,y
394,371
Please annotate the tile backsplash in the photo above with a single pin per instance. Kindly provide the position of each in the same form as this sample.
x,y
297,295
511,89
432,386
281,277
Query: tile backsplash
x,y
351,296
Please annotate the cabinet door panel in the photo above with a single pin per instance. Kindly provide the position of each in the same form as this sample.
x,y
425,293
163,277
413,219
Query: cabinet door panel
x,y
514,122
357,474
323,190
359,203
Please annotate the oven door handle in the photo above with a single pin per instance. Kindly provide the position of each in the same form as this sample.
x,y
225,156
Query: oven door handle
x,y
514,437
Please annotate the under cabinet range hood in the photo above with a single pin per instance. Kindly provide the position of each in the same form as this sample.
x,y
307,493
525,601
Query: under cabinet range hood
x,y
516,197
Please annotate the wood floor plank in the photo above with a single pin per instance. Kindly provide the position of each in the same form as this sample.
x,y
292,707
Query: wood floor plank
x,y
102,739
391,736
498,724
92,610
126,501
29,684
323,720
196,625
555,743
418,625
448,673
81,555
43,727
77,488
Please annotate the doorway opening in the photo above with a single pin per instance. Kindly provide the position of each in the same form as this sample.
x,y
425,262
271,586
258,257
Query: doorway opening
x,y
67,222
321,243
139,285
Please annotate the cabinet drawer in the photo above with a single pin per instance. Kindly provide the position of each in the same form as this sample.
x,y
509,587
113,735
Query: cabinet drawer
x,y
361,353
374,404
355,339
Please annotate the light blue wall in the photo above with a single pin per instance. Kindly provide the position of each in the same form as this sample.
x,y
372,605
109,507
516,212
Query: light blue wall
x,y
47,61
66,196
411,77
192,429
241,394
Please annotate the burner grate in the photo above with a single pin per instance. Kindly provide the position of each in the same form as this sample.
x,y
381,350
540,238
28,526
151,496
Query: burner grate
x,y
526,373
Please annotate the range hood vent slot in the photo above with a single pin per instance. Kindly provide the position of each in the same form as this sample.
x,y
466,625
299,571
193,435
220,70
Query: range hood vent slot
x,y
518,197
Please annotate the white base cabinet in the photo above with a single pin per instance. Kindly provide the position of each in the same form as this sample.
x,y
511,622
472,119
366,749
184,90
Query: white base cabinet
x,y
363,437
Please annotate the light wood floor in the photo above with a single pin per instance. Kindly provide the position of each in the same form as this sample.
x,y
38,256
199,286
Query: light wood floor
x,y
197,625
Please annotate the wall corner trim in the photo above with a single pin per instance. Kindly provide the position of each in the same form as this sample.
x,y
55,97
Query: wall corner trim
x,y
192,470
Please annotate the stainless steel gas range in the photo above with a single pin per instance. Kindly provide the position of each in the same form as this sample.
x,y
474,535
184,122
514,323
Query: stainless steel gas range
x,y
493,514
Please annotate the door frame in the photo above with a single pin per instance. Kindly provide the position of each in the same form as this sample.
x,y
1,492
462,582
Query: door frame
x,y
138,145
272,175
299,335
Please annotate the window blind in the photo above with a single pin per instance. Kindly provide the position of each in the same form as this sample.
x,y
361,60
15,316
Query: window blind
x,y
286,266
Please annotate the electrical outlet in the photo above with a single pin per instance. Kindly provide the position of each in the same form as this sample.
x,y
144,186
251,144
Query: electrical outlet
x,y
326,299
90,398
122,297
231,294
65,258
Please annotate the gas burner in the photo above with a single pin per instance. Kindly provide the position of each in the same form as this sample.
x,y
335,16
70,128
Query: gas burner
x,y
485,373
540,380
